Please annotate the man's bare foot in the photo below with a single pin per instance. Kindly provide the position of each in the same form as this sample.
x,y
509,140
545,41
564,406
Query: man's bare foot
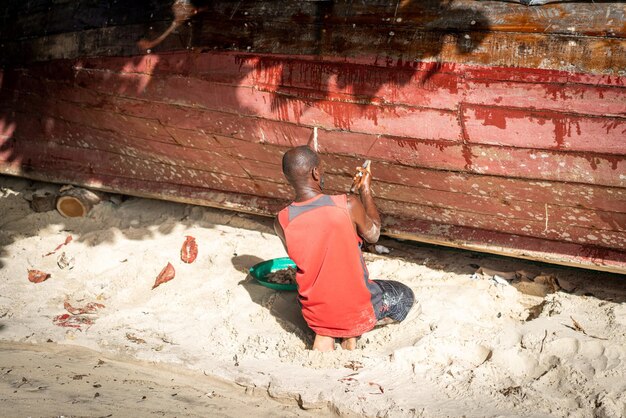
x,y
348,343
323,343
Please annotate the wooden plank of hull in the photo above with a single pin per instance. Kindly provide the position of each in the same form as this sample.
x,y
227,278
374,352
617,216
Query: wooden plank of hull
x,y
34,18
443,89
149,129
581,54
543,130
583,18
186,127
223,158
30,19
359,82
562,97
547,166
506,190
536,214
316,72
58,158
403,42
581,99
82,136
554,231
100,41
528,218
530,248
566,167
590,168
586,168
332,114
154,189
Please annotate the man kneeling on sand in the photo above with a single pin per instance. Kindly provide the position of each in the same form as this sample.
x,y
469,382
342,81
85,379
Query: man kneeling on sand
x,y
323,235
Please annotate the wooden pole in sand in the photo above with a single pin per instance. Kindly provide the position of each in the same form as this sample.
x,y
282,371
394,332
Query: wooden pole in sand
x,y
76,202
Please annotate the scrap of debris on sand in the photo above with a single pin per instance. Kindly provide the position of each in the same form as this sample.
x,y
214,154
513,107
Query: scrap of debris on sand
x,y
167,285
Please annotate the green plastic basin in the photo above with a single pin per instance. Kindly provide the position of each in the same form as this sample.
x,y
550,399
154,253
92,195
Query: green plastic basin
x,y
261,270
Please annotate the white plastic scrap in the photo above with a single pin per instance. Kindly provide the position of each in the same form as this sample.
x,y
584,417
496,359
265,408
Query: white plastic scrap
x,y
381,249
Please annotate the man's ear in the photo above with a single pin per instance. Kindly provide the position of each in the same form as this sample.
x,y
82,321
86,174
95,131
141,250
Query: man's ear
x,y
315,173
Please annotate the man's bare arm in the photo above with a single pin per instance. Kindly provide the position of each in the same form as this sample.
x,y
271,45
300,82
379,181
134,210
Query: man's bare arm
x,y
279,231
364,213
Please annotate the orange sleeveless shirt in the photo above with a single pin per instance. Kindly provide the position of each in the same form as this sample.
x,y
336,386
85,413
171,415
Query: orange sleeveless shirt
x,y
333,282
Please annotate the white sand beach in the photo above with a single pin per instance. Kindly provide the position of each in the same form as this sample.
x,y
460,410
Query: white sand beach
x,y
550,342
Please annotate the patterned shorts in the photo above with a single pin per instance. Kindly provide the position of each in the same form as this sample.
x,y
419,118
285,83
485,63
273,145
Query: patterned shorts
x,y
395,302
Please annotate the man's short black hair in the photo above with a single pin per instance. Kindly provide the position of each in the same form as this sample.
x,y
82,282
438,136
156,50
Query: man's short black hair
x,y
298,163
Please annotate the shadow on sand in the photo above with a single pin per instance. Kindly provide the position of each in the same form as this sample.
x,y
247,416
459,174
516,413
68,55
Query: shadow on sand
x,y
282,305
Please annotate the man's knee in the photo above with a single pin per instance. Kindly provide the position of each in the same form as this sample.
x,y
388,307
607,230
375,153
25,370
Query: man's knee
x,y
403,299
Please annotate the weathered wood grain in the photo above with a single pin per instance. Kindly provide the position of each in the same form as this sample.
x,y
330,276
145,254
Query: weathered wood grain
x,y
56,157
556,231
502,189
562,97
212,122
231,68
528,163
71,134
581,18
444,89
41,18
233,157
226,67
507,190
416,86
332,114
531,248
254,151
494,125
104,41
121,124
527,216
306,28
154,189
487,125
460,15
600,169
598,55
45,17
442,155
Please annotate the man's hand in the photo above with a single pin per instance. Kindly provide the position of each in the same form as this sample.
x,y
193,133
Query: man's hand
x,y
366,182
363,210
359,177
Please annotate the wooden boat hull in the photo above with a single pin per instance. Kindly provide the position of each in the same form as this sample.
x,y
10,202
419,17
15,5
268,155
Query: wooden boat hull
x,y
512,142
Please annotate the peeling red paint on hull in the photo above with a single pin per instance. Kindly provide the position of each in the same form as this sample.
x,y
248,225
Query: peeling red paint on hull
x,y
539,172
